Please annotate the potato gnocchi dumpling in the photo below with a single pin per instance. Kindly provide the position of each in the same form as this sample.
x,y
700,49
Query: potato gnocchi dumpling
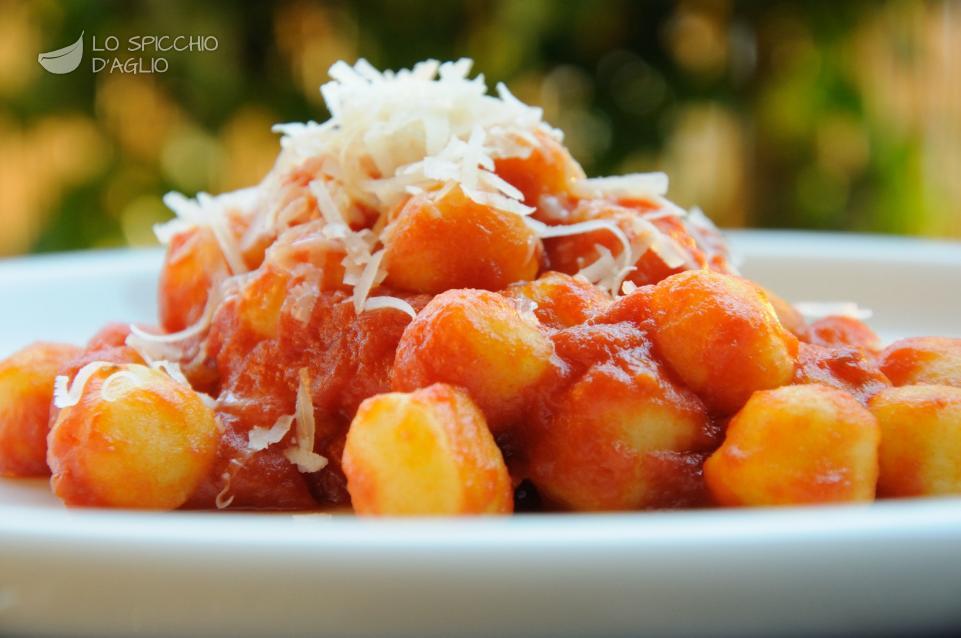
x,y
923,360
194,265
547,169
603,446
789,316
26,389
428,452
559,300
920,440
135,438
480,341
261,300
442,240
844,331
721,336
800,444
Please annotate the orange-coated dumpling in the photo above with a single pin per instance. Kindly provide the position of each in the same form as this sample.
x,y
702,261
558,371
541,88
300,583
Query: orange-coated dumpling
x,y
134,438
796,445
26,389
721,336
424,453
923,360
836,330
920,440
789,316
260,301
559,300
442,240
548,170
480,341
194,264
620,438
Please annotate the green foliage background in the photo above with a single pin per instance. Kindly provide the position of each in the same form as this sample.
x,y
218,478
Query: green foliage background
x,y
820,115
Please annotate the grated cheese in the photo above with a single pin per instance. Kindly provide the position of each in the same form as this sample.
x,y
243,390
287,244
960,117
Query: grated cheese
x,y
260,438
302,452
387,301
171,369
127,377
663,245
154,347
222,501
392,134
304,295
64,396
630,186
371,275
212,212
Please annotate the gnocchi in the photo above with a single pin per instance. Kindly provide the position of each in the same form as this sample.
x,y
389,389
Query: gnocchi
x,y
920,440
26,390
721,336
425,452
799,444
923,360
480,341
134,438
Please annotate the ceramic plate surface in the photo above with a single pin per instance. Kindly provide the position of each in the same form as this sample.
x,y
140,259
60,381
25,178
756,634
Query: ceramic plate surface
x,y
891,567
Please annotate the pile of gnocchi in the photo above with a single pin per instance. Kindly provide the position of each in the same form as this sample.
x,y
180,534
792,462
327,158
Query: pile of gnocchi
x,y
426,308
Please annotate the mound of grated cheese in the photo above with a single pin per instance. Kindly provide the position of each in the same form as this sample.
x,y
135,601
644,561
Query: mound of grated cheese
x,y
390,135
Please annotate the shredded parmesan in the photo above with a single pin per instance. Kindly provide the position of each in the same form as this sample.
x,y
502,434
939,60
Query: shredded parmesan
x,y
260,438
64,396
662,244
156,347
370,276
171,369
304,298
631,186
212,212
123,376
387,301
222,500
302,452
176,337
392,134
606,271
126,378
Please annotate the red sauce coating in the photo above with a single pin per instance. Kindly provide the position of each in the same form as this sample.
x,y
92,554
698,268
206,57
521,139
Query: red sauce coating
x,y
843,331
845,368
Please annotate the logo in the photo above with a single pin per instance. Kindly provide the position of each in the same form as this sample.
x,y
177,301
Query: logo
x,y
63,60
137,54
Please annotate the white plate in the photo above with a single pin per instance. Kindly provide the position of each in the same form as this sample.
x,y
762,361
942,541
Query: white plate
x,y
889,567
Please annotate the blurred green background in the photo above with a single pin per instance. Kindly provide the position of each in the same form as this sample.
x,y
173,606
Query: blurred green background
x,y
822,115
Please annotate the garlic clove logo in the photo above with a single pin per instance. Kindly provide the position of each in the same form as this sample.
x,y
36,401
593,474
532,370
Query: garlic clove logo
x,y
63,60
